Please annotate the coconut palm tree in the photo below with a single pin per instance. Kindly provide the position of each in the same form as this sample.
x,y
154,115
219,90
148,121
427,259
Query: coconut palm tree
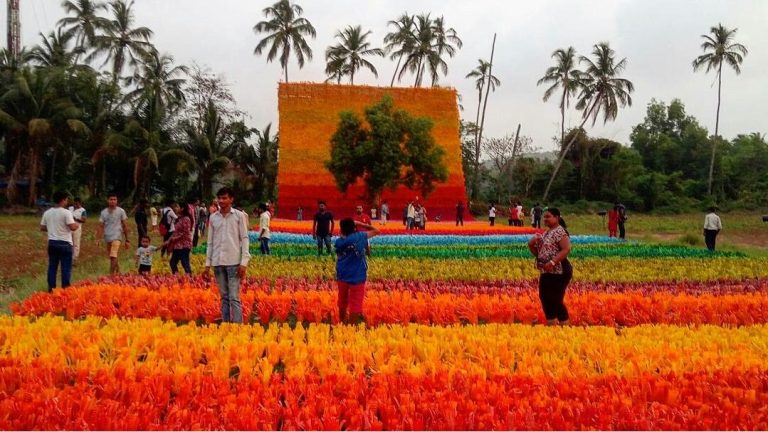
x,y
602,90
352,47
399,43
36,118
158,78
335,68
120,42
54,50
480,74
84,21
286,31
446,41
566,76
719,48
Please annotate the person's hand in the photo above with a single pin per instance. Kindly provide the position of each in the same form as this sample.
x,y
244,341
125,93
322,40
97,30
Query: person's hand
x,y
549,266
127,243
98,242
241,271
207,271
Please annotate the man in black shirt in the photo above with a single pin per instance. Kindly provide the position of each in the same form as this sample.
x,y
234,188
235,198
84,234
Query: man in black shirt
x,y
322,228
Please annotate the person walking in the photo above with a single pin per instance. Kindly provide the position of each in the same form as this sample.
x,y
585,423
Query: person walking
x,y
180,242
520,214
80,215
141,218
300,214
622,219
352,268
322,228
167,221
384,212
264,232
712,227
112,228
492,214
551,251
514,215
153,216
422,216
613,222
228,254
59,224
460,213
536,213
202,220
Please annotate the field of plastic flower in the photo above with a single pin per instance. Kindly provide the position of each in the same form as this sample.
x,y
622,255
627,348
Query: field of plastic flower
x,y
663,337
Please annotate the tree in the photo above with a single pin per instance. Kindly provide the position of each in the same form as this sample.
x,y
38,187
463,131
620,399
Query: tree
x,y
393,149
603,90
259,162
84,22
428,42
286,31
119,41
203,87
159,82
720,48
347,55
503,152
563,75
483,77
399,43
36,118
54,50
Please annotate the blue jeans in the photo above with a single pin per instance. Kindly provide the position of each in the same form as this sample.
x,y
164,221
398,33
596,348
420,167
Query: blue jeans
x,y
264,246
320,241
183,256
59,252
229,289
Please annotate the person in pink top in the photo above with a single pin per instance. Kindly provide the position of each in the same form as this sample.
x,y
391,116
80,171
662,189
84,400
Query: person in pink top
x,y
180,243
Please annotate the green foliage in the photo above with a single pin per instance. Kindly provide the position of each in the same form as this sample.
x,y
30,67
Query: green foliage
x,y
393,149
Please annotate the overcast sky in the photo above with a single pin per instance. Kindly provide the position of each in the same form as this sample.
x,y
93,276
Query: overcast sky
x,y
659,38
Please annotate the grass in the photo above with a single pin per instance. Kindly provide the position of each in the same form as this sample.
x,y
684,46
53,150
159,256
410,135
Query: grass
x,y
23,259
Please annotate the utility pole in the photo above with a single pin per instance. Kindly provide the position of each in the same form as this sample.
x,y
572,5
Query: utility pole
x,y
14,28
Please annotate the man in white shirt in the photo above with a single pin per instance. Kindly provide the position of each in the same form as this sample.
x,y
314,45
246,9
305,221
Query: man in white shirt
x,y
384,212
712,227
264,233
59,224
228,254
79,214
492,214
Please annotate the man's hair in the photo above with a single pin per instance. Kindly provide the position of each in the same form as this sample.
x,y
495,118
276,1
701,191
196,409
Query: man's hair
x,y
263,206
347,226
59,196
169,202
111,194
711,209
146,237
77,199
225,191
321,202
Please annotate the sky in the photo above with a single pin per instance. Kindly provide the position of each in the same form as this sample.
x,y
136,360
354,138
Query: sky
x,y
659,39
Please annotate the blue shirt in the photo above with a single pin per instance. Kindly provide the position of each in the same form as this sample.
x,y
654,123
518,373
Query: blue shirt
x,y
351,266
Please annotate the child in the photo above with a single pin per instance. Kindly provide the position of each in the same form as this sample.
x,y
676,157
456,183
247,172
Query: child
x,y
352,268
144,255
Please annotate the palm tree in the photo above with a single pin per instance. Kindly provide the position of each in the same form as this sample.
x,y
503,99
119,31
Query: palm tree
x,y
286,31
564,74
120,41
350,50
84,22
36,118
480,73
335,68
399,43
444,41
54,50
719,48
602,90
158,78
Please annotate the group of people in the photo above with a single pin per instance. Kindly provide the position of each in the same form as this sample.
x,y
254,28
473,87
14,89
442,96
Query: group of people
x,y
516,214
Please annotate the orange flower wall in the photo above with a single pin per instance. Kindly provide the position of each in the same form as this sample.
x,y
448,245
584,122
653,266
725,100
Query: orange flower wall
x,y
309,115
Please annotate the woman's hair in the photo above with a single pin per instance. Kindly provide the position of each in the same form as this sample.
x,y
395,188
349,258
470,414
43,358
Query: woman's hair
x,y
556,213
347,226
185,211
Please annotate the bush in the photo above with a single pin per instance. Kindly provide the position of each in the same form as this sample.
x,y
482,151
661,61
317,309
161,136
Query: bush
x,y
691,240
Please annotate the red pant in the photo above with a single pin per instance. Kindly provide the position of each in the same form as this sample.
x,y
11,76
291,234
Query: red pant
x,y
351,296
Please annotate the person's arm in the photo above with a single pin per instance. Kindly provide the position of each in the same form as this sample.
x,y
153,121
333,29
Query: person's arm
x,y
533,245
314,227
209,248
83,217
245,254
333,225
125,229
137,257
370,229
43,225
719,225
100,230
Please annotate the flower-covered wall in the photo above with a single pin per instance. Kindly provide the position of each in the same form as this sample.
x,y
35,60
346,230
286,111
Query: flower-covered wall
x,y
309,115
